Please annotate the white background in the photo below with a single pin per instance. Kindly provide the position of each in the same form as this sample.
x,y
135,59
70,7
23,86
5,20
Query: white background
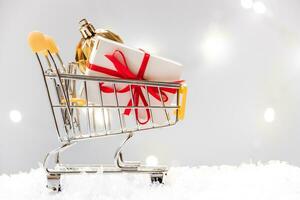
x,y
237,64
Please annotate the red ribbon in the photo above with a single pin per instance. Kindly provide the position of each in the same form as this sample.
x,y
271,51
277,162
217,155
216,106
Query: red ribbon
x,y
122,71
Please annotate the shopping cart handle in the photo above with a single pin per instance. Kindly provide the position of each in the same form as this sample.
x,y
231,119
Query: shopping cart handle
x,y
41,43
51,45
37,41
181,109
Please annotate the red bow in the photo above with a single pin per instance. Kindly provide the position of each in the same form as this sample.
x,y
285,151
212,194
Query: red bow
x,y
123,72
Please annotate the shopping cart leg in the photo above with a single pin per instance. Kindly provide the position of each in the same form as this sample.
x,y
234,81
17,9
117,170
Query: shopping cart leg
x,y
158,177
53,177
53,182
125,165
157,173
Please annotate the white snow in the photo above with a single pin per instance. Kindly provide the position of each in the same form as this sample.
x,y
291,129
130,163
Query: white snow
x,y
271,181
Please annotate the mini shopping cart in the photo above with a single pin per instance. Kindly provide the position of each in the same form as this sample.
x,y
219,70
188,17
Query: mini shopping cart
x,y
77,119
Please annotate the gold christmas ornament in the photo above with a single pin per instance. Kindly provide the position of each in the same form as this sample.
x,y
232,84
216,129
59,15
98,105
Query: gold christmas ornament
x,y
86,43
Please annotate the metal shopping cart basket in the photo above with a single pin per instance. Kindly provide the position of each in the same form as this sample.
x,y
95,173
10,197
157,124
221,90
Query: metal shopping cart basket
x,y
77,119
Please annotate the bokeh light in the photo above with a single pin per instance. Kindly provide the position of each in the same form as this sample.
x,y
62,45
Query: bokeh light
x,y
215,47
269,115
99,114
247,4
151,161
15,116
259,7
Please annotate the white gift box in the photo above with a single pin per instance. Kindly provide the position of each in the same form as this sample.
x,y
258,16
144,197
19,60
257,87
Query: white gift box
x,y
158,69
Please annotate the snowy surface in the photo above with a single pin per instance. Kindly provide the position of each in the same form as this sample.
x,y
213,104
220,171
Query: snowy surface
x,y
274,180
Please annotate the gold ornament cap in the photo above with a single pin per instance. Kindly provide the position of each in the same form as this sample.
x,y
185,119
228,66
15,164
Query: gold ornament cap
x,y
87,30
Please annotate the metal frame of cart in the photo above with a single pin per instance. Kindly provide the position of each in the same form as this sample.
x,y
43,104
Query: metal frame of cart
x,y
62,86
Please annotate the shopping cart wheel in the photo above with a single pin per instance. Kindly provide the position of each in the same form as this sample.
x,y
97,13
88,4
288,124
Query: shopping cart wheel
x,y
53,182
157,178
